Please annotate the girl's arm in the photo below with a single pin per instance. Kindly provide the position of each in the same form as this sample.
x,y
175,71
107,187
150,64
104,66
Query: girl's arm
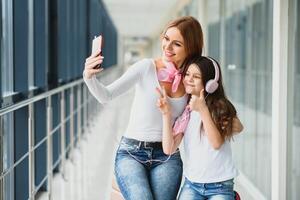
x,y
198,104
213,133
170,142
106,93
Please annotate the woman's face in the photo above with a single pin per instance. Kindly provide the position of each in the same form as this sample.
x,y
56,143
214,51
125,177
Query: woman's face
x,y
192,81
173,48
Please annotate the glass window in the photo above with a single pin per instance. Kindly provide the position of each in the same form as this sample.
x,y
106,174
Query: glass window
x,y
21,46
7,153
6,49
6,84
62,51
1,38
191,9
40,43
214,29
248,72
293,172
30,39
245,50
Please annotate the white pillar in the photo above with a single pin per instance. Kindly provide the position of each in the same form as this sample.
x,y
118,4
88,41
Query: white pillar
x,y
279,99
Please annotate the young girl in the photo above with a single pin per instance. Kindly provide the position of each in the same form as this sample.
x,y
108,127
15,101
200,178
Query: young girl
x,y
207,124
142,170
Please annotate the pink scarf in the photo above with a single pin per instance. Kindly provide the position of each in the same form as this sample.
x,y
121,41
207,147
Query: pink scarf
x,y
182,121
170,74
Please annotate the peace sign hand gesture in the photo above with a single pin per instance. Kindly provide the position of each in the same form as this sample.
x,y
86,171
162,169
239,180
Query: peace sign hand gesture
x,y
162,102
197,103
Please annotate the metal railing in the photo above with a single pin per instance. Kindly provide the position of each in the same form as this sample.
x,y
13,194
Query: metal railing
x,y
83,115
1,160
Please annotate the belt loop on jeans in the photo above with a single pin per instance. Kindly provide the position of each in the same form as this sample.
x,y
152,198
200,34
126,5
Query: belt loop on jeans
x,y
148,145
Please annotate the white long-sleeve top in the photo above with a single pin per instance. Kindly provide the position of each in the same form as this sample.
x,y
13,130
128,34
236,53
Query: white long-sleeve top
x,y
145,122
203,163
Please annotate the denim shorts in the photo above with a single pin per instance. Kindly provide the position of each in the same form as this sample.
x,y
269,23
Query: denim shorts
x,y
143,171
212,191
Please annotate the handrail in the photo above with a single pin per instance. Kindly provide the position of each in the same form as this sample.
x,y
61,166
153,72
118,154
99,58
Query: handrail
x,y
39,97
80,108
44,95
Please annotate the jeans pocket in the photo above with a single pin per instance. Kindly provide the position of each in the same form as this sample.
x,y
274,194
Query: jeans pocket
x,y
228,183
226,186
124,147
176,154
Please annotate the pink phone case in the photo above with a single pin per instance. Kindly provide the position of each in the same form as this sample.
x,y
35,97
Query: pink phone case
x,y
97,44
96,47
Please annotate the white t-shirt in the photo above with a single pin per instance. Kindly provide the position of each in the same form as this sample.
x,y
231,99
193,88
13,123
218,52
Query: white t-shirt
x,y
145,123
204,164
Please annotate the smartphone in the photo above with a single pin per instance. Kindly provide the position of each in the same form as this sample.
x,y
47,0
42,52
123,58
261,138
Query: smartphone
x,y
97,48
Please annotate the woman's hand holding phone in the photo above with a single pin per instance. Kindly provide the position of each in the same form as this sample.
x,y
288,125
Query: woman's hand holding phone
x,y
93,63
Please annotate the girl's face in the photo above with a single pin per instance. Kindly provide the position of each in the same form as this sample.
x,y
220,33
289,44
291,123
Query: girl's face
x,y
173,48
192,81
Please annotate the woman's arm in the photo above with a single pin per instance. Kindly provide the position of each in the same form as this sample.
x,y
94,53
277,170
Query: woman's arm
x,y
106,93
170,142
237,126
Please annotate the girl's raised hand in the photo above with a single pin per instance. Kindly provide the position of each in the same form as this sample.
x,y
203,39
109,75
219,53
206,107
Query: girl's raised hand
x,y
162,102
197,103
90,64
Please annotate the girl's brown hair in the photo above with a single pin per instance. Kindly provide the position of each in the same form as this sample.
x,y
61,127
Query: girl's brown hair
x,y
221,109
192,34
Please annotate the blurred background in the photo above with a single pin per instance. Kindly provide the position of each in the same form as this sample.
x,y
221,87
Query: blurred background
x,y
57,142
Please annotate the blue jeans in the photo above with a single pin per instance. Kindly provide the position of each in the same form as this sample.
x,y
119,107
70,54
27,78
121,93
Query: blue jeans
x,y
212,191
140,174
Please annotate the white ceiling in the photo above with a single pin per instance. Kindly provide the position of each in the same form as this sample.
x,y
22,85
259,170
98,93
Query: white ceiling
x,y
140,18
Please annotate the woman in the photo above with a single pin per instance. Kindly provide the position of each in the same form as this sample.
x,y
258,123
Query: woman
x,y
142,169
207,126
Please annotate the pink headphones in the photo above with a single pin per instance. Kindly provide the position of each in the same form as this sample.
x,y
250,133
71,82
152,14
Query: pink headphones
x,y
212,85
